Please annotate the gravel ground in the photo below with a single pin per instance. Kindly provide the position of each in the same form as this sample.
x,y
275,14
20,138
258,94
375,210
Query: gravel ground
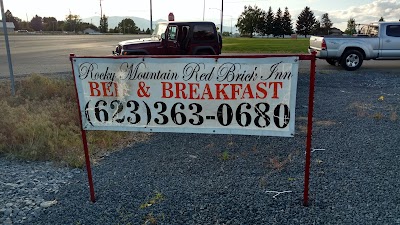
x,y
228,179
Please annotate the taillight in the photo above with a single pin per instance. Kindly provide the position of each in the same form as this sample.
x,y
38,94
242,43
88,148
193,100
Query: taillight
x,y
323,44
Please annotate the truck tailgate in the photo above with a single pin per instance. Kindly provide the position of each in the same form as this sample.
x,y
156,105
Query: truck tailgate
x,y
315,42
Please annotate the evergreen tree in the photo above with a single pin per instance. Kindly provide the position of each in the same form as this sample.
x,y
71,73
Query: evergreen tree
x,y
278,24
251,21
268,27
326,23
317,30
287,23
103,24
351,27
305,22
11,18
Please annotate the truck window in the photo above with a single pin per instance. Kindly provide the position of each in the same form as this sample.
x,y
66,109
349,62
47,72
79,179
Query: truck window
x,y
203,32
172,32
393,30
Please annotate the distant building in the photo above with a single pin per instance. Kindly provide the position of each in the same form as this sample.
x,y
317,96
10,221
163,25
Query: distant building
x,y
10,27
90,31
335,31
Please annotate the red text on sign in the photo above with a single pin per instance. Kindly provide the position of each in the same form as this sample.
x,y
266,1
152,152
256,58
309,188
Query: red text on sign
x,y
105,89
261,90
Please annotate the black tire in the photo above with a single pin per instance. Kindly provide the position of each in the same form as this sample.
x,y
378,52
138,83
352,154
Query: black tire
x,y
331,61
351,60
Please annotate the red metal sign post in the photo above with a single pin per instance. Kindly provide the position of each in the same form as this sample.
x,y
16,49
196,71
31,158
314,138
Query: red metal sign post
x,y
307,57
84,141
309,130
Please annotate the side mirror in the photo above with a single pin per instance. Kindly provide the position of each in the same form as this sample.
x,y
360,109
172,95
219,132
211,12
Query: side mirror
x,y
162,36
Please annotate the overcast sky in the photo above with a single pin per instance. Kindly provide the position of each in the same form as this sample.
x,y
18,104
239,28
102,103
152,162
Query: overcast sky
x,y
364,11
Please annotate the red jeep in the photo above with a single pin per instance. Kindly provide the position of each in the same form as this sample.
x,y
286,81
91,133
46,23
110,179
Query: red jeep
x,y
176,38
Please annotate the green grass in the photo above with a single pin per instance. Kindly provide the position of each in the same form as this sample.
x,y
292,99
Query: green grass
x,y
265,45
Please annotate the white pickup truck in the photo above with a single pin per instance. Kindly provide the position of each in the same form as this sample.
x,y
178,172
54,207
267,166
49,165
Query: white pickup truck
x,y
350,51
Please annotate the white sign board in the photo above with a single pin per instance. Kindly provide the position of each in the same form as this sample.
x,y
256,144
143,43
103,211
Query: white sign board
x,y
251,96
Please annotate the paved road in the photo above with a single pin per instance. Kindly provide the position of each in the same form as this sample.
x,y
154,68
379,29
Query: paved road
x,y
49,54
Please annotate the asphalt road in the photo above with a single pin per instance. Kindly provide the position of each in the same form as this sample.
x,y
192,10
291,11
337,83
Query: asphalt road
x,y
49,54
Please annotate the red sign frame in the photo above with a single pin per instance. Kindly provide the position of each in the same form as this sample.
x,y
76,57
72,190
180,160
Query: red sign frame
x,y
304,57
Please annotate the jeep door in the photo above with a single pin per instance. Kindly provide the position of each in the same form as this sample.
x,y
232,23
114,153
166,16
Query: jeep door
x,y
172,46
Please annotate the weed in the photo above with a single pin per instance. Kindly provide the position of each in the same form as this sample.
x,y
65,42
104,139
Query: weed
x,y
360,108
378,116
393,116
157,198
41,122
150,219
225,155
263,182
277,164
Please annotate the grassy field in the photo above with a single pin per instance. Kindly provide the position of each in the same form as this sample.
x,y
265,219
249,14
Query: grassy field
x,y
41,122
265,45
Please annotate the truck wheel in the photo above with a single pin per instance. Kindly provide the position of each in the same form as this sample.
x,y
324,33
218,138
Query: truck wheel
x,y
331,61
351,60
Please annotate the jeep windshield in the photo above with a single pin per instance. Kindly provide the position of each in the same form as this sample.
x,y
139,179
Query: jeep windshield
x,y
160,28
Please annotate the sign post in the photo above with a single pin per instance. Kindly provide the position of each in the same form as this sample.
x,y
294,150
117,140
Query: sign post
x,y
246,95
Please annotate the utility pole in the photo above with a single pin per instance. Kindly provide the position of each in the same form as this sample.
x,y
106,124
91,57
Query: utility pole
x,y
101,17
222,14
10,67
204,8
151,17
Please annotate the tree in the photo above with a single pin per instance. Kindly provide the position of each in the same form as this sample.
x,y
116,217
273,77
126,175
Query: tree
x,y
305,22
11,18
72,23
278,25
84,26
37,23
103,24
50,24
351,27
326,23
381,19
127,26
251,21
148,31
317,30
268,27
287,23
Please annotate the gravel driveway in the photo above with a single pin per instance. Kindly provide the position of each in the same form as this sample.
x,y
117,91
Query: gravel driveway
x,y
227,179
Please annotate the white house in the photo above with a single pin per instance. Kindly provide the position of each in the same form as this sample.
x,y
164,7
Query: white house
x,y
10,27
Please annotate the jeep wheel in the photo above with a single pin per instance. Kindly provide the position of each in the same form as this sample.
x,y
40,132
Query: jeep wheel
x,y
331,61
351,60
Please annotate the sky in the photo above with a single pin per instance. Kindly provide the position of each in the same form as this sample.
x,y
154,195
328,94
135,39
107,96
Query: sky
x,y
339,11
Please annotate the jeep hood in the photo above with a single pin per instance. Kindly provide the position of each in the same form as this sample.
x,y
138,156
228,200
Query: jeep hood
x,y
138,41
